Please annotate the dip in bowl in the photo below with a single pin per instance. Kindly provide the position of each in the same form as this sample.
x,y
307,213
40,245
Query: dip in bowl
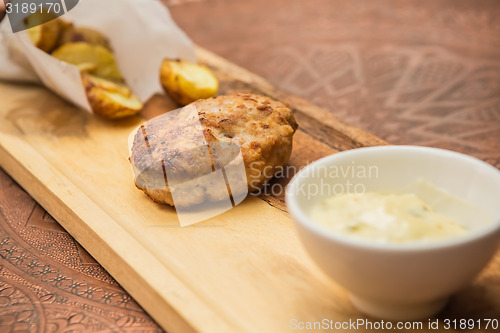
x,y
402,279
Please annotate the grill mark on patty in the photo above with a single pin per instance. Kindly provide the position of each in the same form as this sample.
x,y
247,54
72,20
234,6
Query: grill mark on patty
x,y
143,129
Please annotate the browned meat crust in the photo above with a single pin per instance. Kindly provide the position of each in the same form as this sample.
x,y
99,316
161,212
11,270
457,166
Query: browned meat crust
x,y
170,145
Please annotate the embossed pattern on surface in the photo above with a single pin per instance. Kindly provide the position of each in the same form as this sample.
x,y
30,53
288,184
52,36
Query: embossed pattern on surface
x,y
48,282
410,72
425,96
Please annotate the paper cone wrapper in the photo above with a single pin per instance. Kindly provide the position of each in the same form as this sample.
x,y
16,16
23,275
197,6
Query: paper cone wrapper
x,y
141,32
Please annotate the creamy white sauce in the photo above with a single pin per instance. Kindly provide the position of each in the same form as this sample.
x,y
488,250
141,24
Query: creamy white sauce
x,y
385,217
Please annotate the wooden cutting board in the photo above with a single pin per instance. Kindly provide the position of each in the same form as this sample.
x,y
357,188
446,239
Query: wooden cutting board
x,y
242,271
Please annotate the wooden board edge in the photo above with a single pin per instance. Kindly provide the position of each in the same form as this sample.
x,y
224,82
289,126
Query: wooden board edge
x,y
45,187
117,243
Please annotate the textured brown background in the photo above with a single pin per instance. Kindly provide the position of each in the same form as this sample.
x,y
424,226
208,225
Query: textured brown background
x,y
411,72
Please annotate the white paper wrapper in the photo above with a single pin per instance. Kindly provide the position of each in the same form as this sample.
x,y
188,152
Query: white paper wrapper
x,y
142,34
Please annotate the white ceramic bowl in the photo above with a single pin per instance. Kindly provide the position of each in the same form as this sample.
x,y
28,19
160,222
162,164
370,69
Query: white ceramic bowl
x,y
399,281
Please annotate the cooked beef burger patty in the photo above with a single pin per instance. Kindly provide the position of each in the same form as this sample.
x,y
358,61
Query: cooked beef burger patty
x,y
175,145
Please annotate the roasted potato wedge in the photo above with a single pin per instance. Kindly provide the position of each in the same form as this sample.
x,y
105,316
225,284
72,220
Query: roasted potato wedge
x,y
44,36
109,99
86,67
111,86
84,34
63,27
85,53
187,82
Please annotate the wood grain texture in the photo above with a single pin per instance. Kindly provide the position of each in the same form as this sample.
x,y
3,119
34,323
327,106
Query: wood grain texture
x,y
243,271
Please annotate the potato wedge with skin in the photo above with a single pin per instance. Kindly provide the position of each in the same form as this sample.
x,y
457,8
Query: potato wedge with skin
x,y
63,27
187,82
46,35
85,53
86,67
110,85
84,34
110,100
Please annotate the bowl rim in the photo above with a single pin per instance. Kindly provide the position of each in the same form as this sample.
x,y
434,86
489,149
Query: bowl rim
x,y
300,217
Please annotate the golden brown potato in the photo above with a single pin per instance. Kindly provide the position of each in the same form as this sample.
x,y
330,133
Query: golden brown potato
x,y
90,51
111,86
84,34
44,36
86,67
96,55
63,27
109,99
187,82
